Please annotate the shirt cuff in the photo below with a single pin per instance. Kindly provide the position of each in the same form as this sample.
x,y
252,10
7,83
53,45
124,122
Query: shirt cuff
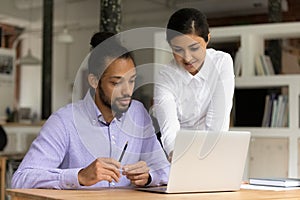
x,y
169,147
159,177
69,179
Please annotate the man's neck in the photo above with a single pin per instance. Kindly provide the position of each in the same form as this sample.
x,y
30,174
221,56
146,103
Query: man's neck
x,y
107,113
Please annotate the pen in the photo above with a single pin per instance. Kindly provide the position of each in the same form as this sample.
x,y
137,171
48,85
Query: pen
x,y
122,154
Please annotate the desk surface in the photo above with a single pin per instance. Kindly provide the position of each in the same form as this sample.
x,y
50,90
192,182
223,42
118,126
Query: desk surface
x,y
105,194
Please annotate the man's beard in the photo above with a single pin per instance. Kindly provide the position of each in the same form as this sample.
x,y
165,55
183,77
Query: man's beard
x,y
112,105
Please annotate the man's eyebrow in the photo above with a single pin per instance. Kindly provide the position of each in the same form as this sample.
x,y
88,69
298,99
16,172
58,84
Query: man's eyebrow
x,y
118,77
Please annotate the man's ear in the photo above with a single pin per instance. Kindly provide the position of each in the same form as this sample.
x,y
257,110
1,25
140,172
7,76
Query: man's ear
x,y
208,38
93,81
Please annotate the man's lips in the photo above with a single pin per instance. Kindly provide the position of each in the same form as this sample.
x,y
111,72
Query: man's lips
x,y
124,101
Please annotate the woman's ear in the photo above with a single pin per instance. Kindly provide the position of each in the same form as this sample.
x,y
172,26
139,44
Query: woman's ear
x,y
93,81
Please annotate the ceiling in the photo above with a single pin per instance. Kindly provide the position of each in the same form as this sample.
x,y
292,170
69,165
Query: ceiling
x,y
135,13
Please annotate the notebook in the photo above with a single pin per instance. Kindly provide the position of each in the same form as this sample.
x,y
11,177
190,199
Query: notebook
x,y
279,182
206,162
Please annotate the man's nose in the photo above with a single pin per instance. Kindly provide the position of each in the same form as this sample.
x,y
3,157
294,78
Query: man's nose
x,y
126,89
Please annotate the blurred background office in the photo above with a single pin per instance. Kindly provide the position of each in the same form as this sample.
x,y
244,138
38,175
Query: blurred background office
x,y
44,42
74,21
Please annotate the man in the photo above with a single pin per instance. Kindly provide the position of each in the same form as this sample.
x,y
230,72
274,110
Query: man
x,y
83,144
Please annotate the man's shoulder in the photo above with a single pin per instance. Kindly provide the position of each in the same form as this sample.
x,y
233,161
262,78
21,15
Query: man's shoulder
x,y
137,109
136,104
68,109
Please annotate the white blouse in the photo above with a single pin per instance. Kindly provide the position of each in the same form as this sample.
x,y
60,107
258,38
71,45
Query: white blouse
x,y
202,101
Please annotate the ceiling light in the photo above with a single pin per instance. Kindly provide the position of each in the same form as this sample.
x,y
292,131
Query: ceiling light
x,y
29,59
65,37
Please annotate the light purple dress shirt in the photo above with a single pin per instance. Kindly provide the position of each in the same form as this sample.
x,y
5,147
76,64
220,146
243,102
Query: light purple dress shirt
x,y
75,135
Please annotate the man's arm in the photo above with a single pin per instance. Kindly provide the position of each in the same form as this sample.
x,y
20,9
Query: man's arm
x,y
40,166
102,169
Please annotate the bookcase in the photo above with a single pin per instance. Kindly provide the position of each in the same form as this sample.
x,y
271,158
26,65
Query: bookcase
x,y
274,151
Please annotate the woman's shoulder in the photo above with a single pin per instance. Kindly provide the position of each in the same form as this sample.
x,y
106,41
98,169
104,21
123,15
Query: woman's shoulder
x,y
217,53
170,69
219,58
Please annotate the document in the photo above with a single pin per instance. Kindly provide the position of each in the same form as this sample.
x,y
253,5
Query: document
x,y
278,182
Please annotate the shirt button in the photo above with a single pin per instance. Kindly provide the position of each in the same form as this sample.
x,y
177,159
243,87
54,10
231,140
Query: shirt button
x,y
94,122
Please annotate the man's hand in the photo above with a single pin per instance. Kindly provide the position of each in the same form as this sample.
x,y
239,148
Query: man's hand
x,y
138,173
102,169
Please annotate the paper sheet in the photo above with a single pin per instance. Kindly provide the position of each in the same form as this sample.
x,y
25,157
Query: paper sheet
x,y
261,187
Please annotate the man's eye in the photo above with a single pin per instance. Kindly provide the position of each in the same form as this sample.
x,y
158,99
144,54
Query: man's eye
x,y
115,83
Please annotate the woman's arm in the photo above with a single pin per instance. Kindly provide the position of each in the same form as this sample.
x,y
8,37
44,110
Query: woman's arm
x,y
218,115
165,109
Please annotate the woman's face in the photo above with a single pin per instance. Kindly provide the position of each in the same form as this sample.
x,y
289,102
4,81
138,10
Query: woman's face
x,y
189,51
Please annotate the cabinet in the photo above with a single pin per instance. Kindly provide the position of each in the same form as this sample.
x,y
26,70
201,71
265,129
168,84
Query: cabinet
x,y
20,136
273,151
278,142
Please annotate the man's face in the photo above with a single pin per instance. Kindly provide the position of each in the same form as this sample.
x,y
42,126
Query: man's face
x,y
116,85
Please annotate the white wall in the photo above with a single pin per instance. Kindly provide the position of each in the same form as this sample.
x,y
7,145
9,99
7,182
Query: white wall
x,y
30,76
66,61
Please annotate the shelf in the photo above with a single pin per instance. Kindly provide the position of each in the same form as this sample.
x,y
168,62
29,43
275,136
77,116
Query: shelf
x,y
251,39
266,31
267,81
269,132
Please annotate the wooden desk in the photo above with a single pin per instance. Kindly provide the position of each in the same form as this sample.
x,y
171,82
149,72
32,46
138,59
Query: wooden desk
x,y
105,194
2,177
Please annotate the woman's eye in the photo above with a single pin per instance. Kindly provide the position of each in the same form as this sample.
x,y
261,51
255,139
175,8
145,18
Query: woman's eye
x,y
194,48
177,50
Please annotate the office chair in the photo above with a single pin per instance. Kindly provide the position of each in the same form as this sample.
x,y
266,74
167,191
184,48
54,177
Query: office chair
x,y
3,138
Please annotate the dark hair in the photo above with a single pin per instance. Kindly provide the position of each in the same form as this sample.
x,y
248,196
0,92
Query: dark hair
x,y
187,21
99,37
105,47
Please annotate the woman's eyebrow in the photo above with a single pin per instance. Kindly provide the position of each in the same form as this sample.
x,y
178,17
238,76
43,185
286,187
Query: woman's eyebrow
x,y
194,44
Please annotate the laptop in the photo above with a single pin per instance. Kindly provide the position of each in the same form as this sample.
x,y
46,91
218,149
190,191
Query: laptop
x,y
206,162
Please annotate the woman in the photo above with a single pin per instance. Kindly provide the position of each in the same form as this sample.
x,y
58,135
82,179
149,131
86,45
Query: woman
x,y
195,90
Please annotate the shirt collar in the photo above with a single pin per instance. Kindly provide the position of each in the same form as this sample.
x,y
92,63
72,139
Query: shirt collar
x,y
93,111
205,69
201,75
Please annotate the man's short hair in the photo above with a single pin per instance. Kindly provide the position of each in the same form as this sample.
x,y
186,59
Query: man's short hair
x,y
109,49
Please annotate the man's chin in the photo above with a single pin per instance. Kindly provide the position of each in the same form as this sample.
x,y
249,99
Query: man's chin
x,y
121,108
